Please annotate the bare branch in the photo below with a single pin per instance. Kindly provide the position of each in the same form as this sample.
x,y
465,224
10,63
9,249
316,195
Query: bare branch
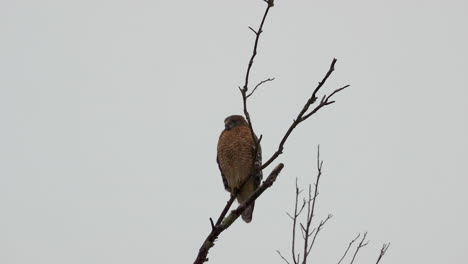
x,y
296,214
245,87
303,115
234,214
226,209
338,90
285,260
259,84
311,209
349,246
302,207
361,245
325,101
320,226
383,250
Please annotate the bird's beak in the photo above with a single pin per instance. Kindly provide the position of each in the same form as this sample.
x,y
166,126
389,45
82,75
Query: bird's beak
x,y
227,125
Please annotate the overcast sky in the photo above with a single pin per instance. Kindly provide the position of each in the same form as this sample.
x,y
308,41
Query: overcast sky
x,y
110,112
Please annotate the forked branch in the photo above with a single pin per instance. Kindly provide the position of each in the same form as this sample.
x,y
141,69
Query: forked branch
x,y
361,245
309,234
304,114
383,250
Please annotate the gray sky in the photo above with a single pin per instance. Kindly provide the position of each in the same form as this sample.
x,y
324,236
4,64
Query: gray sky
x,y
110,113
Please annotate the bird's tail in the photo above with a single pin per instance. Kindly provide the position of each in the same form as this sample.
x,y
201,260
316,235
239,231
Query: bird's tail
x,y
244,194
248,212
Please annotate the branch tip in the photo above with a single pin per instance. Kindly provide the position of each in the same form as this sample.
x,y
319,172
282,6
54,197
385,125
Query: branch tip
x,y
212,224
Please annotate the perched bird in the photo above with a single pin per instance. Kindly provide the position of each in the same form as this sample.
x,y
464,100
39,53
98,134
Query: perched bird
x,y
237,159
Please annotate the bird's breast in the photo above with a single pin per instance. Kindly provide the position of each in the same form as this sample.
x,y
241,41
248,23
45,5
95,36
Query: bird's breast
x,y
235,155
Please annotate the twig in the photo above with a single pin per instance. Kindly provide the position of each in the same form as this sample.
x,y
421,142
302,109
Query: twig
x,y
233,215
296,214
303,115
383,250
325,101
259,84
253,30
212,224
349,246
320,226
226,208
285,260
311,208
361,245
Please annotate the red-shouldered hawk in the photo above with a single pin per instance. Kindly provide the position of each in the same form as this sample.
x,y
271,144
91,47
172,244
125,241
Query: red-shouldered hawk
x,y
236,160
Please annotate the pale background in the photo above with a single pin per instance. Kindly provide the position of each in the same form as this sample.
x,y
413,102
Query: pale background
x,y
110,112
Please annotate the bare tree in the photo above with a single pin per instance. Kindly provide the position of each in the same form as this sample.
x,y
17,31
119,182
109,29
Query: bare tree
x,y
311,107
309,234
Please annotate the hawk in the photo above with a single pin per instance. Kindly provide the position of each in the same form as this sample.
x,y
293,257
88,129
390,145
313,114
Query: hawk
x,y
237,159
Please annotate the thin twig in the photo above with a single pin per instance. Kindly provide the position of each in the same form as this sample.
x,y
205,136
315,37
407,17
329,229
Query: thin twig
x,y
293,240
349,246
259,84
285,260
383,250
311,208
226,208
361,245
253,30
212,224
325,101
296,214
320,226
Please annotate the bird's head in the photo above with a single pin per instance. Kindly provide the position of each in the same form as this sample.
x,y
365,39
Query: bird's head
x,y
234,121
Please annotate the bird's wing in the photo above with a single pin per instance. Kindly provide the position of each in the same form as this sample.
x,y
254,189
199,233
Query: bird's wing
x,y
258,164
226,186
